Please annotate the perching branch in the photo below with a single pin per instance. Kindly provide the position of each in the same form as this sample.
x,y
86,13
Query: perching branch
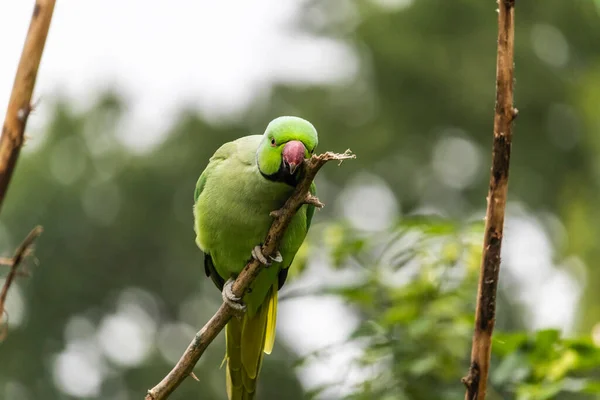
x,y
282,218
19,105
485,314
22,251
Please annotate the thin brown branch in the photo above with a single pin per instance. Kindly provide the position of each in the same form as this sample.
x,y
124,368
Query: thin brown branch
x,y
505,113
206,335
19,106
22,251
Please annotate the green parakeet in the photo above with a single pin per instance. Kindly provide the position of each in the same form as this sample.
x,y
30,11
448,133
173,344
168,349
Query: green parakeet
x,y
244,181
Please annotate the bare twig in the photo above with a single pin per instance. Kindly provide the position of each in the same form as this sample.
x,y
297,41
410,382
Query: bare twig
x,y
212,328
22,251
19,106
485,314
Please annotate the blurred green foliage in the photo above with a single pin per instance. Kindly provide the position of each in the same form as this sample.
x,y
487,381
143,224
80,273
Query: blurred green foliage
x,y
416,303
543,365
120,287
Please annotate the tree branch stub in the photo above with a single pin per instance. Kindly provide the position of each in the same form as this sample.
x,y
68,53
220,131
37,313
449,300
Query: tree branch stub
x,y
22,251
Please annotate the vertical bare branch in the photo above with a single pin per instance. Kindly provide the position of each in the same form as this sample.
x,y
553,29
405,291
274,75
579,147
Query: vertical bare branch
x,y
19,105
485,314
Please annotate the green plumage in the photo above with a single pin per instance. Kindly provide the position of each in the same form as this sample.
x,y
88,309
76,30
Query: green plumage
x,y
244,181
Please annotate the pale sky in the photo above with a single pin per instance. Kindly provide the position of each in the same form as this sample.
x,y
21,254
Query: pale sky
x,y
215,55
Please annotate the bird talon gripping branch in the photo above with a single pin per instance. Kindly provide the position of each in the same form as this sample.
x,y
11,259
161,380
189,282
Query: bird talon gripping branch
x,y
231,299
260,257
277,257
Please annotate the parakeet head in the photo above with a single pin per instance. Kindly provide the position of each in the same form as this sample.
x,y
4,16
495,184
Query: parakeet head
x,y
285,144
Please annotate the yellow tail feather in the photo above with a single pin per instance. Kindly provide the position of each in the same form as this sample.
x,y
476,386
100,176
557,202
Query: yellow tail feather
x,y
271,321
247,340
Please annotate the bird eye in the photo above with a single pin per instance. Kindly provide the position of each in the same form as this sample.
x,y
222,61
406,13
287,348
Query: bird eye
x,y
272,141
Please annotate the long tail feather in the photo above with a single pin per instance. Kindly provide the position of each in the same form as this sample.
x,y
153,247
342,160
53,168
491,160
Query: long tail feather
x,y
247,340
233,334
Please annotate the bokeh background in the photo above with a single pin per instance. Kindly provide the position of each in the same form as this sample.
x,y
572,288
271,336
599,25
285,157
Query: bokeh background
x,y
135,96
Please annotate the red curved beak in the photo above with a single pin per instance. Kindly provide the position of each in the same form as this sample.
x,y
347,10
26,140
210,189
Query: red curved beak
x,y
293,155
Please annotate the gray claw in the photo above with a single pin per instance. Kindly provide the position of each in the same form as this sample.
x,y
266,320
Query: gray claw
x,y
277,257
231,299
259,256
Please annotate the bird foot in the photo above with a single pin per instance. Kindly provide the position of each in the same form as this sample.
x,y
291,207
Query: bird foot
x,y
260,257
231,299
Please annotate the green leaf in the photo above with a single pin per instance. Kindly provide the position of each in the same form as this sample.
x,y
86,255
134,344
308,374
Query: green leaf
x,y
514,368
538,392
424,365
